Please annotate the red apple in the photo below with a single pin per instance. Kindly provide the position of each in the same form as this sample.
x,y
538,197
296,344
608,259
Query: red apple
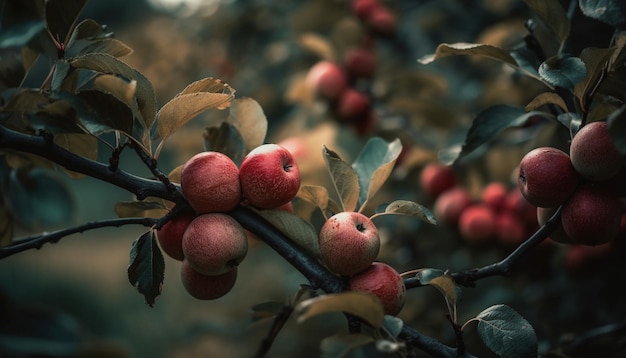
x,y
591,216
327,79
383,281
205,287
558,235
353,105
494,195
360,62
382,21
477,223
435,178
510,228
516,202
364,8
450,204
171,235
593,153
269,176
210,182
348,242
214,243
546,177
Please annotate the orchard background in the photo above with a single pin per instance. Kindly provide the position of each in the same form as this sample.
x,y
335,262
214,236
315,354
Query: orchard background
x,y
535,72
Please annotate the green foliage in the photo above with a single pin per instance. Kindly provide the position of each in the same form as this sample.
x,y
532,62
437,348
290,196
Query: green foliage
x,y
295,228
506,332
563,72
365,306
612,12
344,180
146,268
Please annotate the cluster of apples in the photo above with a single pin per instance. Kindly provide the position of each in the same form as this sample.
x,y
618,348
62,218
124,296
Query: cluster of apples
x,y
378,17
208,241
349,243
500,213
588,184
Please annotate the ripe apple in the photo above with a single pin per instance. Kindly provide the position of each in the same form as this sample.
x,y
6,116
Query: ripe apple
x,y
360,62
382,21
206,287
435,178
510,228
516,202
450,204
363,8
591,216
171,235
210,182
327,79
348,242
547,177
383,281
214,243
353,105
494,195
477,223
269,176
593,153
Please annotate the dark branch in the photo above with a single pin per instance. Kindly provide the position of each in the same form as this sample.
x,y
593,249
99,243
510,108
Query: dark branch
x,y
37,241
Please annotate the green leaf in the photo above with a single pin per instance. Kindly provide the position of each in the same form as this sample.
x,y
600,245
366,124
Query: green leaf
x,y
485,127
617,128
247,116
393,325
360,304
612,12
19,35
107,64
546,98
89,37
563,72
506,332
553,16
61,15
374,165
117,86
226,139
469,49
131,209
409,208
146,268
197,97
344,178
342,344
39,198
595,60
295,228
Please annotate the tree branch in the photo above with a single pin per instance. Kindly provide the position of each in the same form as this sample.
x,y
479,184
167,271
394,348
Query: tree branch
x,y
37,241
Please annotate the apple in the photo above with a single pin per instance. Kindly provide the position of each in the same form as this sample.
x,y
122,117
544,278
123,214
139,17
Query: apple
x,y
558,235
547,177
353,105
516,202
383,281
348,242
477,223
210,182
327,79
206,287
591,216
494,195
269,176
510,228
593,153
214,243
382,21
435,178
364,8
170,235
450,204
360,62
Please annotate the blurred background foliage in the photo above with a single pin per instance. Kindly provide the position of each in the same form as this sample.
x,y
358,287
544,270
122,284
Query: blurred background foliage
x,y
79,289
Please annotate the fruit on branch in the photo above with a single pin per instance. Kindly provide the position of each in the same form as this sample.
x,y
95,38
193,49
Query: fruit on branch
x,y
494,195
210,182
547,177
593,153
353,105
360,62
327,79
171,235
214,243
269,176
435,178
450,204
477,223
516,202
383,281
206,287
364,8
348,242
591,216
510,228
558,235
